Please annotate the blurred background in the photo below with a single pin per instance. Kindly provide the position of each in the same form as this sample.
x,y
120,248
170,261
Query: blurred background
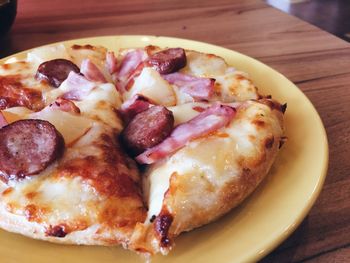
x,y
332,16
47,24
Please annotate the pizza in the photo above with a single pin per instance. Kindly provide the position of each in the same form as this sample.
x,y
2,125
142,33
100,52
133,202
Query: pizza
x,y
129,148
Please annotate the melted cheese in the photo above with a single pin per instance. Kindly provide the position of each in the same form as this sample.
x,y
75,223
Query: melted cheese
x,y
235,86
101,105
45,198
204,65
42,54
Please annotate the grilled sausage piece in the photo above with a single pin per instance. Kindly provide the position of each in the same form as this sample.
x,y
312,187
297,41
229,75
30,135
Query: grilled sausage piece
x,y
168,60
147,129
56,71
27,147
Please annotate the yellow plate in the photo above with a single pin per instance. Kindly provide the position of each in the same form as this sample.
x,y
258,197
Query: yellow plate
x,y
253,229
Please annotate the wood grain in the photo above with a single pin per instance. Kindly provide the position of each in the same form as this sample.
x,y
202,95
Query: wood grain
x,y
316,61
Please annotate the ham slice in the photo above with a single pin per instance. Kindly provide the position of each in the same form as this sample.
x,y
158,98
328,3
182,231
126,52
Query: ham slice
x,y
130,67
3,121
77,87
111,62
130,62
65,105
133,106
91,71
208,121
197,88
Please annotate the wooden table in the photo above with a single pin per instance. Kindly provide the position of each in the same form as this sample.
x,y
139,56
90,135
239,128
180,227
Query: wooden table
x,y
317,62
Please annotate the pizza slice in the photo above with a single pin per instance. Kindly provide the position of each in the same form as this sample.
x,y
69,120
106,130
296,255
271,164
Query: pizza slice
x,y
201,171
205,135
64,176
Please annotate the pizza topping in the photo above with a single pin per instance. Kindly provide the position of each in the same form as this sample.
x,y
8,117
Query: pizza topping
x,y
91,71
130,62
206,122
168,60
65,105
27,147
151,85
133,106
55,71
3,121
130,67
71,126
13,93
147,129
111,62
77,87
135,73
197,88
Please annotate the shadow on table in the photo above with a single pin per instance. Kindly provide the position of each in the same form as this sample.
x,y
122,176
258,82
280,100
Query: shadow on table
x,y
286,252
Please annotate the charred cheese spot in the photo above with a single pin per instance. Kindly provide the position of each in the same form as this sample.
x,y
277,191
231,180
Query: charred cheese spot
x,y
150,49
251,138
153,217
217,89
7,191
11,207
57,231
114,214
222,135
34,213
13,66
102,104
284,107
106,173
283,139
162,225
211,56
259,123
198,108
240,77
6,66
273,105
31,195
269,142
63,229
77,47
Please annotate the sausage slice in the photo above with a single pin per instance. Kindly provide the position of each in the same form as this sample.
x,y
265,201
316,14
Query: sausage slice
x,y
27,147
147,129
168,60
55,71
